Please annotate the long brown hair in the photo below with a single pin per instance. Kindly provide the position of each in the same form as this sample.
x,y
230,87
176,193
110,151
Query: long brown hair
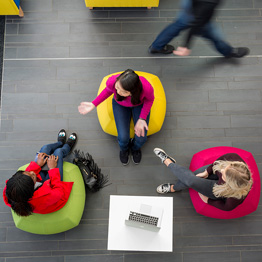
x,y
130,82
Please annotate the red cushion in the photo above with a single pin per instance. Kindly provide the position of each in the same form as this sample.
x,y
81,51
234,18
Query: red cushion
x,y
249,205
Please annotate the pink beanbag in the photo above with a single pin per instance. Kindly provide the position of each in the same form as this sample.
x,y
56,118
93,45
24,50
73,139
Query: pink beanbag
x,y
249,205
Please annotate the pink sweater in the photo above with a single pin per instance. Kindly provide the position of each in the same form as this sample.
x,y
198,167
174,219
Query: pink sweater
x,y
146,97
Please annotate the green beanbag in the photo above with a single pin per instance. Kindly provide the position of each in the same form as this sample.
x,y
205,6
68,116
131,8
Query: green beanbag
x,y
65,218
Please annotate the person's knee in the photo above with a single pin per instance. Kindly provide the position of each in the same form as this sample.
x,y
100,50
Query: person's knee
x,y
123,138
44,149
59,152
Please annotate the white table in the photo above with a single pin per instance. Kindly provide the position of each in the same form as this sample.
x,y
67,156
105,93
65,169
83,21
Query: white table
x,y
123,237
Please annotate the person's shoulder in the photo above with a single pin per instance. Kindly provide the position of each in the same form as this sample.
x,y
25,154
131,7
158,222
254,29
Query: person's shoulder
x,y
145,83
111,80
232,157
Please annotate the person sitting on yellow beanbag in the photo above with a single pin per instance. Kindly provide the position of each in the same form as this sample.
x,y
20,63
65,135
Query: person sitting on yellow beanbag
x,y
133,96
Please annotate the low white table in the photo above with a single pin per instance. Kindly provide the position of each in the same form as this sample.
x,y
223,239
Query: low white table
x,y
123,237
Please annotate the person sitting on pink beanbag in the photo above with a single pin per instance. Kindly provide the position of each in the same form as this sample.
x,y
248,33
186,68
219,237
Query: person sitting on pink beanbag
x,y
223,184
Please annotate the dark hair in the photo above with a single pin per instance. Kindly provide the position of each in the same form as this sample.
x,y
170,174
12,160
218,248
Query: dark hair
x,y
130,82
19,190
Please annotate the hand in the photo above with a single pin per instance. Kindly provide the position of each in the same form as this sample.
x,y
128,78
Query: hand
x,y
182,51
41,159
85,107
52,161
140,127
203,174
204,198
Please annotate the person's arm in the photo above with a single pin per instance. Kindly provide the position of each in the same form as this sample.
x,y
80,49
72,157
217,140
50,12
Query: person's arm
x,y
102,97
148,98
33,166
226,204
86,107
141,124
107,92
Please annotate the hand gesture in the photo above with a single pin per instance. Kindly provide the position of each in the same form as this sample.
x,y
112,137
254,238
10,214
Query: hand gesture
x,y
41,159
52,161
182,51
203,174
140,127
204,198
85,107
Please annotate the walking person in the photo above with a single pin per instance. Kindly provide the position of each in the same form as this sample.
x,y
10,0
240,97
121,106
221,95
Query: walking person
x,y
133,96
195,15
223,184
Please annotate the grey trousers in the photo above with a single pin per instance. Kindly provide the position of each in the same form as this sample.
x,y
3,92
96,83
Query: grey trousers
x,y
188,179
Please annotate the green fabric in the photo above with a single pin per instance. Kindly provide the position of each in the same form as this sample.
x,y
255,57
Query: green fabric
x,y
64,219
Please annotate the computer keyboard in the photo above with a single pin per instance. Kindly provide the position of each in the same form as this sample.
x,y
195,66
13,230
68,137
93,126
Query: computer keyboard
x,y
134,216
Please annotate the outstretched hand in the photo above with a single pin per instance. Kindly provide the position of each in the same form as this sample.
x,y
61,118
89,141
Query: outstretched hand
x,y
41,159
85,107
182,51
52,161
140,127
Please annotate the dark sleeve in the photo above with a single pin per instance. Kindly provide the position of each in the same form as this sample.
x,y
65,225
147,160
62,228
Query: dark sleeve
x,y
226,204
203,12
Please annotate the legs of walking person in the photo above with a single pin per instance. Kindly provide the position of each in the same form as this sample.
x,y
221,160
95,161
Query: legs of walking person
x,y
173,30
214,34
189,179
61,153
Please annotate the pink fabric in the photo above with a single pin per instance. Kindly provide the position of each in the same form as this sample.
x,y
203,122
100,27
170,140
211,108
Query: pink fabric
x,y
249,205
146,97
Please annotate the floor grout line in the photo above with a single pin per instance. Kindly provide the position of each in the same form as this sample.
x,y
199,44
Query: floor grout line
x,y
120,58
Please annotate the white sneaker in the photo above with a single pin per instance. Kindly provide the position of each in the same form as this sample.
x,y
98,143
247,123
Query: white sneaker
x,y
163,155
164,188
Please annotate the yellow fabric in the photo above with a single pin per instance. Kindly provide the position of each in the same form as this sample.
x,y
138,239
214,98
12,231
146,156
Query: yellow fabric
x,y
157,113
122,3
8,7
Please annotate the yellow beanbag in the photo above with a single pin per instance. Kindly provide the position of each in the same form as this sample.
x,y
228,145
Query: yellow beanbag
x,y
157,113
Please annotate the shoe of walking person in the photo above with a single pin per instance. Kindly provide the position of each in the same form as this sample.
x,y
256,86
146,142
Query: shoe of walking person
x,y
239,52
163,155
124,157
167,49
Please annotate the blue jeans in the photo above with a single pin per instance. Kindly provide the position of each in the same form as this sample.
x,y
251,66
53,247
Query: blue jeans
x,y
122,116
57,149
210,31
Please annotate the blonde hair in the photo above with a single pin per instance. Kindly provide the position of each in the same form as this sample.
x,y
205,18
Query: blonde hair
x,y
238,179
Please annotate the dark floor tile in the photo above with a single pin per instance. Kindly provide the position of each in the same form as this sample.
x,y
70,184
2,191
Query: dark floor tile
x,y
206,256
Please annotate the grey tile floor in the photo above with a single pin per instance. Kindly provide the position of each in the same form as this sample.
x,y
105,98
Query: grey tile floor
x,y
56,57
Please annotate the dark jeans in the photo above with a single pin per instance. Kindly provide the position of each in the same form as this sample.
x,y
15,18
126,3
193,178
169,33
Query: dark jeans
x,y
209,31
122,116
188,179
57,149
